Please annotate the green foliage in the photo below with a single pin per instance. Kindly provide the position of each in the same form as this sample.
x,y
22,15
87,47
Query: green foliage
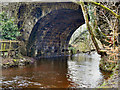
x,y
8,28
73,49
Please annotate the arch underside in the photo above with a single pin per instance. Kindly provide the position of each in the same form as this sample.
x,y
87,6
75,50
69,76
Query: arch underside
x,y
51,34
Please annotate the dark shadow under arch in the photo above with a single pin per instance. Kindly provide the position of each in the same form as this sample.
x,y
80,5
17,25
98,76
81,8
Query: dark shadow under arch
x,y
51,34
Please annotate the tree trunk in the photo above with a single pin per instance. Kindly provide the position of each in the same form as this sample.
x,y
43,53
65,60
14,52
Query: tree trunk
x,y
85,12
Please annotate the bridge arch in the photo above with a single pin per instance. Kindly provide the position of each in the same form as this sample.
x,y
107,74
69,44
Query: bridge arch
x,y
51,34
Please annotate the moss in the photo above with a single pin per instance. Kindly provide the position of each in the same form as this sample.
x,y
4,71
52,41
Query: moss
x,y
111,75
110,67
73,49
104,85
14,60
7,63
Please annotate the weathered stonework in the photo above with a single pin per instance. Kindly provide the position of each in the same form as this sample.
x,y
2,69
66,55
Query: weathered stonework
x,y
28,13
51,34
46,28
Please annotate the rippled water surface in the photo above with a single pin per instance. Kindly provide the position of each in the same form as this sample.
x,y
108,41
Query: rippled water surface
x,y
80,70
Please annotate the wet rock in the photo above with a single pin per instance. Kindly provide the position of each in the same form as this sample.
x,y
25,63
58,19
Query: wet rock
x,y
12,62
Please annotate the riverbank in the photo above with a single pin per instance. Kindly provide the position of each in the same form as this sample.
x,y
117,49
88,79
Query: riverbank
x,y
107,65
112,82
110,66
15,62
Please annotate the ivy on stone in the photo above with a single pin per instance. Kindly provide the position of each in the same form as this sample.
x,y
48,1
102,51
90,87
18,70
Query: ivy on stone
x,y
8,29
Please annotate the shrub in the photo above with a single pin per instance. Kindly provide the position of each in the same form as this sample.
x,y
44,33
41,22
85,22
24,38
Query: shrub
x,y
8,29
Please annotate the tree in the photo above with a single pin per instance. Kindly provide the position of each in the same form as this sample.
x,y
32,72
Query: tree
x,y
85,12
9,29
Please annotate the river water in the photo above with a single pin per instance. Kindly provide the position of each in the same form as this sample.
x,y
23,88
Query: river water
x,y
77,71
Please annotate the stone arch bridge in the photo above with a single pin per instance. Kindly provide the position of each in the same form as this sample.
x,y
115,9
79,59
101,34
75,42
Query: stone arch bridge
x,y
46,28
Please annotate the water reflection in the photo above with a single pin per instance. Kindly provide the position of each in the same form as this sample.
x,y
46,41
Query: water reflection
x,y
84,70
48,73
77,71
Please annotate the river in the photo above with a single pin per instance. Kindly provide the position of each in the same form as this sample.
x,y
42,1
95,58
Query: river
x,y
77,71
